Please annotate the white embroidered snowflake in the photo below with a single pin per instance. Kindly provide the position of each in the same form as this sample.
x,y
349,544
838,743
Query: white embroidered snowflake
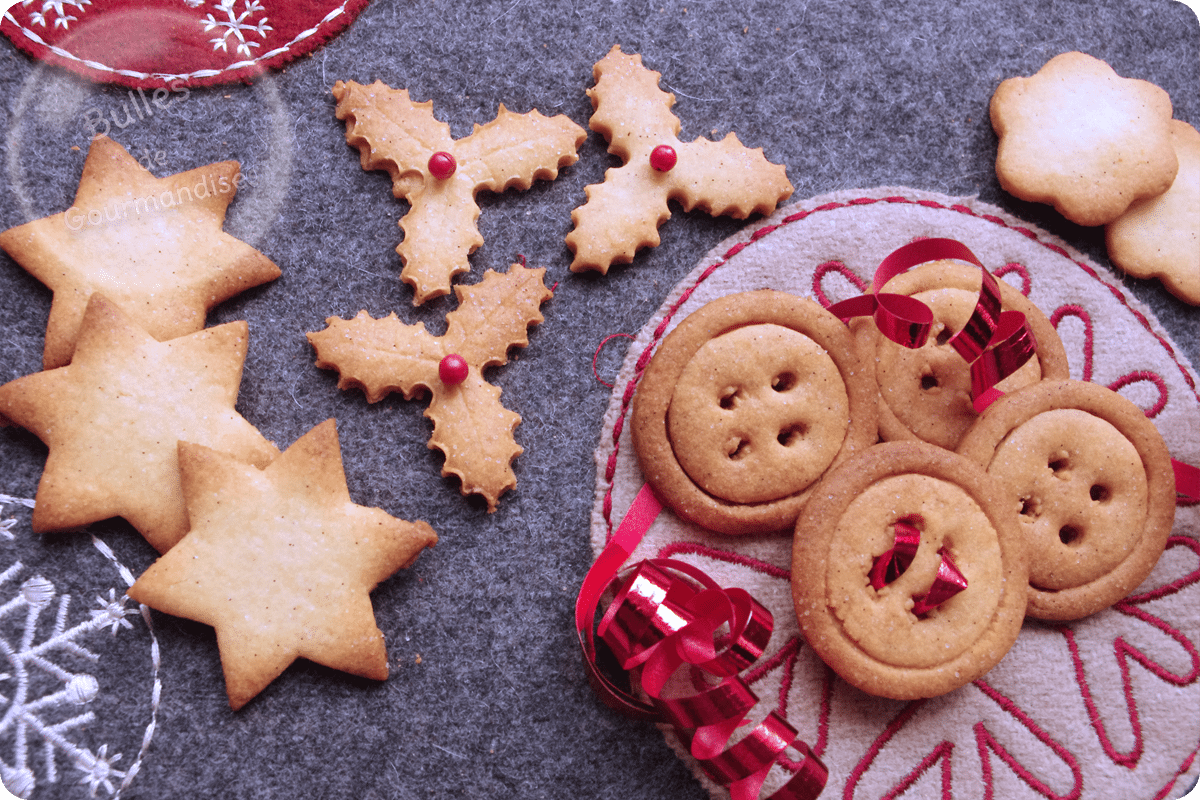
x,y
7,525
39,696
62,19
234,26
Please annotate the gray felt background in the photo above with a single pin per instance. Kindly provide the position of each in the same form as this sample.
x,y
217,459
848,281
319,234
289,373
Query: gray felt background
x,y
487,697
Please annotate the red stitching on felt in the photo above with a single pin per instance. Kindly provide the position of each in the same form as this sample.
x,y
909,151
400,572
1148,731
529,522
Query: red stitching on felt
x,y
1173,586
830,267
1021,271
1187,764
1143,375
1130,759
941,753
1089,342
1124,652
695,548
868,758
985,741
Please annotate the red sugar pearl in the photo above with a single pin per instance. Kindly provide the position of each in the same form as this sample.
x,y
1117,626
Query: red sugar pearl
x,y
442,165
663,158
453,369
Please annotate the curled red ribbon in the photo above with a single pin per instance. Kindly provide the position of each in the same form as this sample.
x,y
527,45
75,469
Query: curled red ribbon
x,y
995,343
671,621
948,582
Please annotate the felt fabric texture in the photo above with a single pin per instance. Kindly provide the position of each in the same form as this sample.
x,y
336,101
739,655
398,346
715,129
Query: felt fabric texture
x,y
168,45
1051,708
487,696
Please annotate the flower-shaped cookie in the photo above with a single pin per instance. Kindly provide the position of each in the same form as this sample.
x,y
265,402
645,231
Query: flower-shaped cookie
x,y
1160,237
624,213
1082,138
439,176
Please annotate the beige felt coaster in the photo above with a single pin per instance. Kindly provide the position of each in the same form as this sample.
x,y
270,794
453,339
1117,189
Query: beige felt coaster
x,y
1104,707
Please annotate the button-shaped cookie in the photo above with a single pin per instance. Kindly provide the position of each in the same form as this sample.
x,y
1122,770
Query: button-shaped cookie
x,y
925,393
901,636
1091,481
745,405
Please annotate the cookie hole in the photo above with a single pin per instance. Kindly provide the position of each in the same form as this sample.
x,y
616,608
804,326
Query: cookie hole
x,y
1069,534
739,450
729,399
792,434
1058,464
1030,507
784,382
943,336
1100,493
929,381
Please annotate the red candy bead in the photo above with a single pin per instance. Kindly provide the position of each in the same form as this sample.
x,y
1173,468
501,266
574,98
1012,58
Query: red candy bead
x,y
442,165
453,369
663,158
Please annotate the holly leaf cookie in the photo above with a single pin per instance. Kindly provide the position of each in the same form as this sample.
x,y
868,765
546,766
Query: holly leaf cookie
x,y
281,562
623,213
470,426
440,176
112,417
154,246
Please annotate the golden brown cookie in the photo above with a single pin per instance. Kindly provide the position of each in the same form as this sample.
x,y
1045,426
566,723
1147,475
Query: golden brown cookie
x,y
623,214
111,419
925,393
154,246
280,561
1159,237
746,403
440,176
1082,138
880,639
1091,480
470,425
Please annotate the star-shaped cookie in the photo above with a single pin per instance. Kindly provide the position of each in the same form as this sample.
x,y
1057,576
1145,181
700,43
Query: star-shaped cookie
x,y
281,562
154,246
113,416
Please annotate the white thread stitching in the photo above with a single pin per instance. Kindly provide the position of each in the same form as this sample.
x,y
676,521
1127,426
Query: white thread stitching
x,y
202,73
26,716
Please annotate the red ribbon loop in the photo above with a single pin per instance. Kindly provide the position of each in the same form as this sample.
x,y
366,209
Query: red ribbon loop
x,y
690,639
995,343
948,582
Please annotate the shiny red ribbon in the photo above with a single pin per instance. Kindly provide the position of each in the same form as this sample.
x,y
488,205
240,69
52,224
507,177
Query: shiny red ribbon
x,y
995,343
1187,482
674,625
948,582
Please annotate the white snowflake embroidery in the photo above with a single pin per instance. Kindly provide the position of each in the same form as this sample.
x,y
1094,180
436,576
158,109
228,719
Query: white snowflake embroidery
x,y
7,525
62,19
234,25
36,688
